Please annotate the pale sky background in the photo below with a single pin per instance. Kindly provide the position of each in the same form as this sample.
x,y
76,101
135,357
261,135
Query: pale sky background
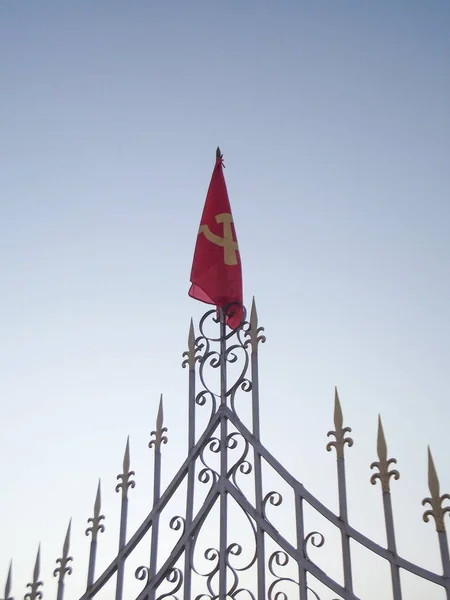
x,y
334,122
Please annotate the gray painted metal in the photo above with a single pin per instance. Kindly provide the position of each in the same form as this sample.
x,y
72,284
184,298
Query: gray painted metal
x,y
177,574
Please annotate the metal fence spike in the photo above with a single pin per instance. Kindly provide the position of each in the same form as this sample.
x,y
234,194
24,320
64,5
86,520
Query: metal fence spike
x,y
338,416
8,583
190,355
67,540
340,432
64,568
383,464
124,478
37,564
437,511
98,500
158,433
35,593
253,332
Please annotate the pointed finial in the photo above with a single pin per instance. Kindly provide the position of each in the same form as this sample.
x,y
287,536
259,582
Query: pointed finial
x,y
8,582
383,464
63,562
67,540
35,593
160,417
218,153
159,432
125,476
437,511
433,480
253,332
338,416
37,564
191,353
98,499
96,526
381,441
339,433
126,456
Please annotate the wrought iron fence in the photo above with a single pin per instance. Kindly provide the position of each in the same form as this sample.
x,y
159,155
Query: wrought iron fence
x,y
228,461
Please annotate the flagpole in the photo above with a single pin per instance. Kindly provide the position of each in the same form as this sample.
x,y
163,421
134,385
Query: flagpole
x,y
223,458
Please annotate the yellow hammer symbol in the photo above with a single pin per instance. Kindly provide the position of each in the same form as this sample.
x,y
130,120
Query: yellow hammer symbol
x,y
229,246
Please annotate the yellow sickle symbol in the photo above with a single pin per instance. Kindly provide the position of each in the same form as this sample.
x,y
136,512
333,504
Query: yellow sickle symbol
x,y
229,246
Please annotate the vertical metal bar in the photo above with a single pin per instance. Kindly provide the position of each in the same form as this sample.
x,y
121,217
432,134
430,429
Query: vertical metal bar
x,y
261,561
123,485
300,541
191,468
342,487
438,512
339,443
122,538
223,462
64,567
159,438
94,529
91,569
390,535
443,546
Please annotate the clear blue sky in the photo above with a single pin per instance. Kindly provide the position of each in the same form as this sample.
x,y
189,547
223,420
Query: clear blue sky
x,y
334,122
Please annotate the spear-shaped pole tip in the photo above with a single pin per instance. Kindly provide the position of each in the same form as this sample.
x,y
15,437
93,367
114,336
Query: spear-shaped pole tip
x,y
253,314
218,153
37,564
381,441
160,416
67,540
191,336
8,582
338,417
433,480
126,456
98,499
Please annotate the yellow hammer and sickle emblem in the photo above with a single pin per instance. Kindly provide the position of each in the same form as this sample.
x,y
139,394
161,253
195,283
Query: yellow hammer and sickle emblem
x,y
229,246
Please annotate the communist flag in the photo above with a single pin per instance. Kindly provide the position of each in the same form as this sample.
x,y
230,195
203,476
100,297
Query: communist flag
x,y
216,274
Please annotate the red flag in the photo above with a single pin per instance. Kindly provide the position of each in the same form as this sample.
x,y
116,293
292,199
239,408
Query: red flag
x,y
216,274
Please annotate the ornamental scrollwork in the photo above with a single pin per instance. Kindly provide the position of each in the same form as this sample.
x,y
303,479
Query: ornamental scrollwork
x,y
241,465
316,542
273,498
208,473
175,577
279,558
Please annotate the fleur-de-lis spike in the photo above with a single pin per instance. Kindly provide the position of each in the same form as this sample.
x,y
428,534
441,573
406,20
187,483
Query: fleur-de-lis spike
x,y
125,476
339,433
437,511
191,352
253,332
383,464
35,593
159,432
96,526
8,583
65,559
